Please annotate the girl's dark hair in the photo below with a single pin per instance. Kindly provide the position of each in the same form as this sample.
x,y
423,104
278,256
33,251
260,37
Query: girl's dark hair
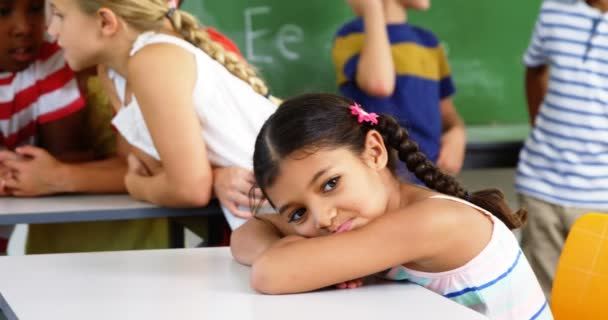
x,y
316,121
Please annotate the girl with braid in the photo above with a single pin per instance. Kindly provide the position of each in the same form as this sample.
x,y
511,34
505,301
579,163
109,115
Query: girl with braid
x,y
327,167
189,109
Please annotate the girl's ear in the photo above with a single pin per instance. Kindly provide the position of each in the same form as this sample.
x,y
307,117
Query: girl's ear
x,y
375,154
108,22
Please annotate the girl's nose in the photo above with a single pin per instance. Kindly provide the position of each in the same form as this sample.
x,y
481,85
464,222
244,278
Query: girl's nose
x,y
325,218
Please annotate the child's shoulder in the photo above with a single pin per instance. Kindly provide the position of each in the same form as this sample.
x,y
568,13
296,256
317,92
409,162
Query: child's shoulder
x,y
552,4
351,27
425,36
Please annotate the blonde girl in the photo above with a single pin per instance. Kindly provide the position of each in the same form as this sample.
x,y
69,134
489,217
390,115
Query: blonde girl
x,y
189,110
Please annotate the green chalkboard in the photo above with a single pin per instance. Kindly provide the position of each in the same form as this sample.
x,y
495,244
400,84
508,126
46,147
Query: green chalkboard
x,y
485,41
289,42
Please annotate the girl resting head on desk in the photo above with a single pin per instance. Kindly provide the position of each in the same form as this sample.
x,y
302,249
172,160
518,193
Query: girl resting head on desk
x,y
326,166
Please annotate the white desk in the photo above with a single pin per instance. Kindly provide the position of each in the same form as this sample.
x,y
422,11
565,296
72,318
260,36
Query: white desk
x,y
80,207
77,208
200,283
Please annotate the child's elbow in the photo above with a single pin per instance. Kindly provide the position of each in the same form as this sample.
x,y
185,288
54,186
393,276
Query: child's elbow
x,y
264,280
194,194
380,89
239,249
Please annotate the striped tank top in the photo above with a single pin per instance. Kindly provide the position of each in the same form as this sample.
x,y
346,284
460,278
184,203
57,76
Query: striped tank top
x,y
498,283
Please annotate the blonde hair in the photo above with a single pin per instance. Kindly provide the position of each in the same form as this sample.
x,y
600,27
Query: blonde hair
x,y
147,15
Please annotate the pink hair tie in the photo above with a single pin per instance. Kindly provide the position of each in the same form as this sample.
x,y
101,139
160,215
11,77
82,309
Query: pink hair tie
x,y
362,115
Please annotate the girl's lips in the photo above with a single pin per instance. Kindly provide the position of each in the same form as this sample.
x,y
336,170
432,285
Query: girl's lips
x,y
345,226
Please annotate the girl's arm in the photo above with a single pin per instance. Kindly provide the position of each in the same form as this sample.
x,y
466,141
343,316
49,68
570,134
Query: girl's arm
x,y
375,70
162,78
404,236
255,236
453,139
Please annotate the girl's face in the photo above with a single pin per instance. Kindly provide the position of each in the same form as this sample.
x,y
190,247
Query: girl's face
x,y
329,191
21,33
76,32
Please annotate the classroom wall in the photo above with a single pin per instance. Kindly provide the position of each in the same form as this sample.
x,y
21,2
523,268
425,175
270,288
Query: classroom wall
x,y
289,42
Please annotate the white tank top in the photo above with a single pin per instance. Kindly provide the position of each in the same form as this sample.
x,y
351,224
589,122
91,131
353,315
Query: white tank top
x,y
498,283
230,112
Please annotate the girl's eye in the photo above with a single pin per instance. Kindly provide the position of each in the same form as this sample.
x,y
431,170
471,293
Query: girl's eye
x,y
55,13
297,215
331,184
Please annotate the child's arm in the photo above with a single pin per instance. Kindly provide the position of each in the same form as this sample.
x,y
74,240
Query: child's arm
x,y
162,78
375,70
537,79
39,173
453,139
393,239
255,236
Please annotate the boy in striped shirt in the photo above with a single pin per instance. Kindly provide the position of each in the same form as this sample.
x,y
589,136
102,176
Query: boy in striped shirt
x,y
391,66
563,167
39,95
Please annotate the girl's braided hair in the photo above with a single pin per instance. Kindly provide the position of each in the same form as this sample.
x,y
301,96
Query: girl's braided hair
x,y
315,121
149,15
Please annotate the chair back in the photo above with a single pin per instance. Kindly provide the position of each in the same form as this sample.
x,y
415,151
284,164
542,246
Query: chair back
x,y
580,288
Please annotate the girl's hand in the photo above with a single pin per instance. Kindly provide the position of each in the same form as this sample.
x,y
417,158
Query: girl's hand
x,y
350,284
232,186
136,170
136,166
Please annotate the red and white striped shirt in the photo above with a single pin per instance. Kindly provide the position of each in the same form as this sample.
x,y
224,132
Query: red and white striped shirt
x,y
45,91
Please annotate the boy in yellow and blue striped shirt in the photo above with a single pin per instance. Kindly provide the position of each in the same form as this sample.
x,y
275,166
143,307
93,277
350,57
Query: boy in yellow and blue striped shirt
x,y
390,66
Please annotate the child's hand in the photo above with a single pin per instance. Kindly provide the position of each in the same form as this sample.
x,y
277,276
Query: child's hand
x,y
360,7
232,185
5,172
137,166
136,170
451,153
350,284
32,172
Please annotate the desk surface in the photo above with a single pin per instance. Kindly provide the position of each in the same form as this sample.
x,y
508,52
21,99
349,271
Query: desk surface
x,y
189,284
73,208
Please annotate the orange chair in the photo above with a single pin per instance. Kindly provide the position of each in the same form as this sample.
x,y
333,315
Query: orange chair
x,y
580,288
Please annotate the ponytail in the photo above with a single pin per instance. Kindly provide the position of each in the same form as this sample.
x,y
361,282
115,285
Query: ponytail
x,y
187,26
408,151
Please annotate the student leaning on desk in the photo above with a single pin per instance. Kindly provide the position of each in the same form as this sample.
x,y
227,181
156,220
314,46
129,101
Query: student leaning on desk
x,y
56,138
43,135
65,144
